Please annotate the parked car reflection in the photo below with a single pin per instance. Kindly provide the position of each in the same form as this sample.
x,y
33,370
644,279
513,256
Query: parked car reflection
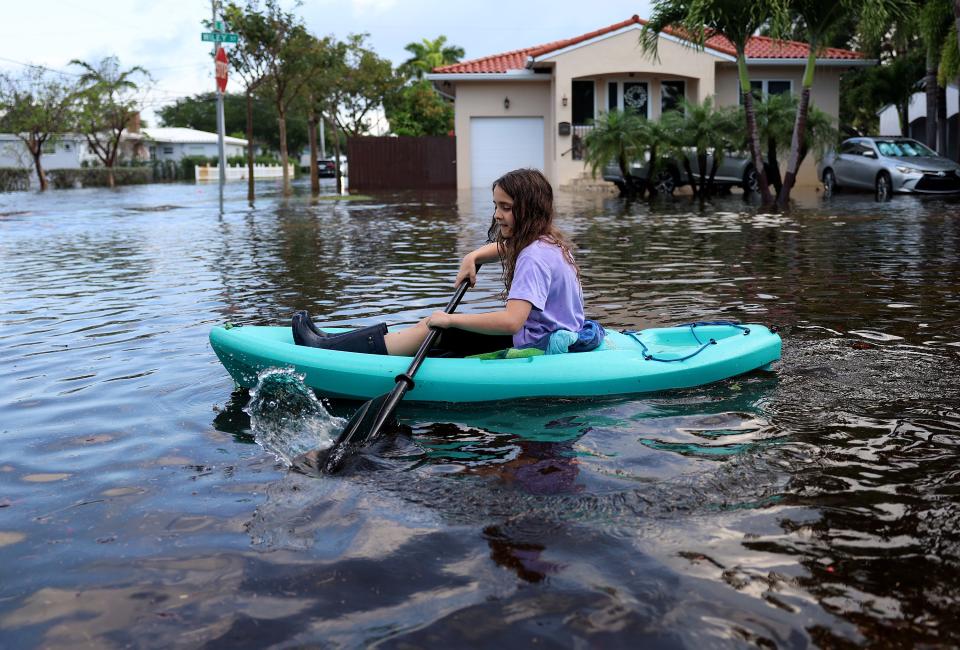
x,y
889,165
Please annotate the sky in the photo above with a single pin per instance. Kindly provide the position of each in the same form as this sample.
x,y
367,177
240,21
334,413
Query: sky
x,y
164,37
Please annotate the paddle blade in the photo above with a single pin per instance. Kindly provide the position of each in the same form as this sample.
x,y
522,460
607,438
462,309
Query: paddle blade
x,y
360,430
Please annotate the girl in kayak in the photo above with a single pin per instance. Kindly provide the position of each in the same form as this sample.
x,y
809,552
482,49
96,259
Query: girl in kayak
x,y
544,299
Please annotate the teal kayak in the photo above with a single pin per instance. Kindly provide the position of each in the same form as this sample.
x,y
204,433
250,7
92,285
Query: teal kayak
x,y
627,362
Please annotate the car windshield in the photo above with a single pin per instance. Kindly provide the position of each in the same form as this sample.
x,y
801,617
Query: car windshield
x,y
903,148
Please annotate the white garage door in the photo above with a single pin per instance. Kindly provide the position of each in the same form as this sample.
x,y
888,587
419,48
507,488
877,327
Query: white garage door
x,y
499,144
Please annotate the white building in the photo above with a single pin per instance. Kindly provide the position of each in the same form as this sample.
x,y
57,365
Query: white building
x,y
917,118
63,151
174,143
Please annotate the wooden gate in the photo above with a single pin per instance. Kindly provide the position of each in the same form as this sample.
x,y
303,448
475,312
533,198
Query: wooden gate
x,y
402,163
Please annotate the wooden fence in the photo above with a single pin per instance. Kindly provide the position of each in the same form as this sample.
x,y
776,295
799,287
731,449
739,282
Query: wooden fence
x,y
402,163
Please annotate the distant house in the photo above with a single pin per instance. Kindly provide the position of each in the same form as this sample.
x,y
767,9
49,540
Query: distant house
x,y
65,151
532,106
917,120
174,143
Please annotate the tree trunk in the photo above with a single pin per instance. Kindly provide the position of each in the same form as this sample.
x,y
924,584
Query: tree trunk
x,y
282,123
312,134
35,147
712,183
651,170
690,177
702,168
798,143
774,165
250,154
902,111
752,132
336,154
931,92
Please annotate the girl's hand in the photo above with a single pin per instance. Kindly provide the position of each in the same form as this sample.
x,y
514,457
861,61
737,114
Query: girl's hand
x,y
468,270
439,319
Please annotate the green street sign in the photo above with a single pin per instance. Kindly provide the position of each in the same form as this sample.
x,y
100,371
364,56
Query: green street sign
x,y
219,37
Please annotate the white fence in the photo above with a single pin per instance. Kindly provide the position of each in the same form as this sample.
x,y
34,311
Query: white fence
x,y
239,172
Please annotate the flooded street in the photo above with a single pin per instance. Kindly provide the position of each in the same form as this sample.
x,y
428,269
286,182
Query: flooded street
x,y
817,505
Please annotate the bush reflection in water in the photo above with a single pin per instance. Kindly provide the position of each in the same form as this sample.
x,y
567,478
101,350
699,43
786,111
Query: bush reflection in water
x,y
816,505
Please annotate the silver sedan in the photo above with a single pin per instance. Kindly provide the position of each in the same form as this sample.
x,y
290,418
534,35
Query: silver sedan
x,y
889,165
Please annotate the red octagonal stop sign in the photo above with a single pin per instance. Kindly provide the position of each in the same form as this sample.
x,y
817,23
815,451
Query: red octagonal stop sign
x,y
221,69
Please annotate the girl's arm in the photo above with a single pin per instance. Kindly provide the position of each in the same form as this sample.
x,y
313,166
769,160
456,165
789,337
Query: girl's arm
x,y
505,321
468,267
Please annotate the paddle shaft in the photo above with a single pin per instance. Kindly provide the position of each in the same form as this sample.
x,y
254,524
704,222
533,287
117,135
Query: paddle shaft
x,y
405,381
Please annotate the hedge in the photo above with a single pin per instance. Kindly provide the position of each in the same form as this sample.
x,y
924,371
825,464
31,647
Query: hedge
x,y
98,177
14,179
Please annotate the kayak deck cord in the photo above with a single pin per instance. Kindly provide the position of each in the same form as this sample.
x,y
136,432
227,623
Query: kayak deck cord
x,y
693,330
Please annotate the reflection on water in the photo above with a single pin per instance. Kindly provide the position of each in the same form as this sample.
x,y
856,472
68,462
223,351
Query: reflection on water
x,y
814,505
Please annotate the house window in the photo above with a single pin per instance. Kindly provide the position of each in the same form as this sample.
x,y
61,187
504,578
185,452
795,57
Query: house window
x,y
583,103
168,151
67,146
48,147
672,94
629,95
764,87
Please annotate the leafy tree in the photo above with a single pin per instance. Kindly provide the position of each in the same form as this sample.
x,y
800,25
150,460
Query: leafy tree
x,y
429,54
619,136
863,92
200,112
106,107
323,69
737,21
282,39
249,60
35,106
417,109
368,82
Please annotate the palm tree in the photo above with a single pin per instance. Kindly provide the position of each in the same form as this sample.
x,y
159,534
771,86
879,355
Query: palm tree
x,y
775,121
106,107
428,55
619,136
705,128
737,21
820,18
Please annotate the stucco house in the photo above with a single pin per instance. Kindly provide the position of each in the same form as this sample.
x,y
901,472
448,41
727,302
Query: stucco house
x,y
529,107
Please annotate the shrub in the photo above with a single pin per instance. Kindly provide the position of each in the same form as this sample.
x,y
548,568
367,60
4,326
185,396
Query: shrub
x,y
14,179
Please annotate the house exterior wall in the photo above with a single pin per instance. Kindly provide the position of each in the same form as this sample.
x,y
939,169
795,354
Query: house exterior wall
x,y
68,153
620,57
485,99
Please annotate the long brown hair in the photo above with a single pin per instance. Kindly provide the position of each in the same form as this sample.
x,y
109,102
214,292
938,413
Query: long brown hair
x,y
533,219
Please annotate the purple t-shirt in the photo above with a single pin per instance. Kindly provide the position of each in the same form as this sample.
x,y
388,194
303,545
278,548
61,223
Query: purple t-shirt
x,y
544,279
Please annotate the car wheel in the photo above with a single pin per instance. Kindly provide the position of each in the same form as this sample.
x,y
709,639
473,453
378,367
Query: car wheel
x,y
751,180
664,183
884,187
829,182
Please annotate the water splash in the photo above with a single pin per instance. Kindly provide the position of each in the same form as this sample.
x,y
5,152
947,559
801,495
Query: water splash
x,y
286,417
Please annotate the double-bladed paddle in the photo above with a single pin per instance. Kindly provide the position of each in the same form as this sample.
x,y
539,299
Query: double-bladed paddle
x,y
370,419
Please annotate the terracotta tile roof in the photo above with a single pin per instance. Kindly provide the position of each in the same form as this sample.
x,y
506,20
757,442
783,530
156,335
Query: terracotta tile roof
x,y
758,47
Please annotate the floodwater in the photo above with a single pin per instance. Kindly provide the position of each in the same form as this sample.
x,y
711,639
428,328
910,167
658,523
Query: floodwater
x,y
817,505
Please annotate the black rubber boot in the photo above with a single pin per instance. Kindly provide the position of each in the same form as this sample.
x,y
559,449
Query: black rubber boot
x,y
304,317
365,340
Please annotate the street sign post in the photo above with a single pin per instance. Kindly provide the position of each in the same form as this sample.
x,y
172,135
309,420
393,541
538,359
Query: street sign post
x,y
219,37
